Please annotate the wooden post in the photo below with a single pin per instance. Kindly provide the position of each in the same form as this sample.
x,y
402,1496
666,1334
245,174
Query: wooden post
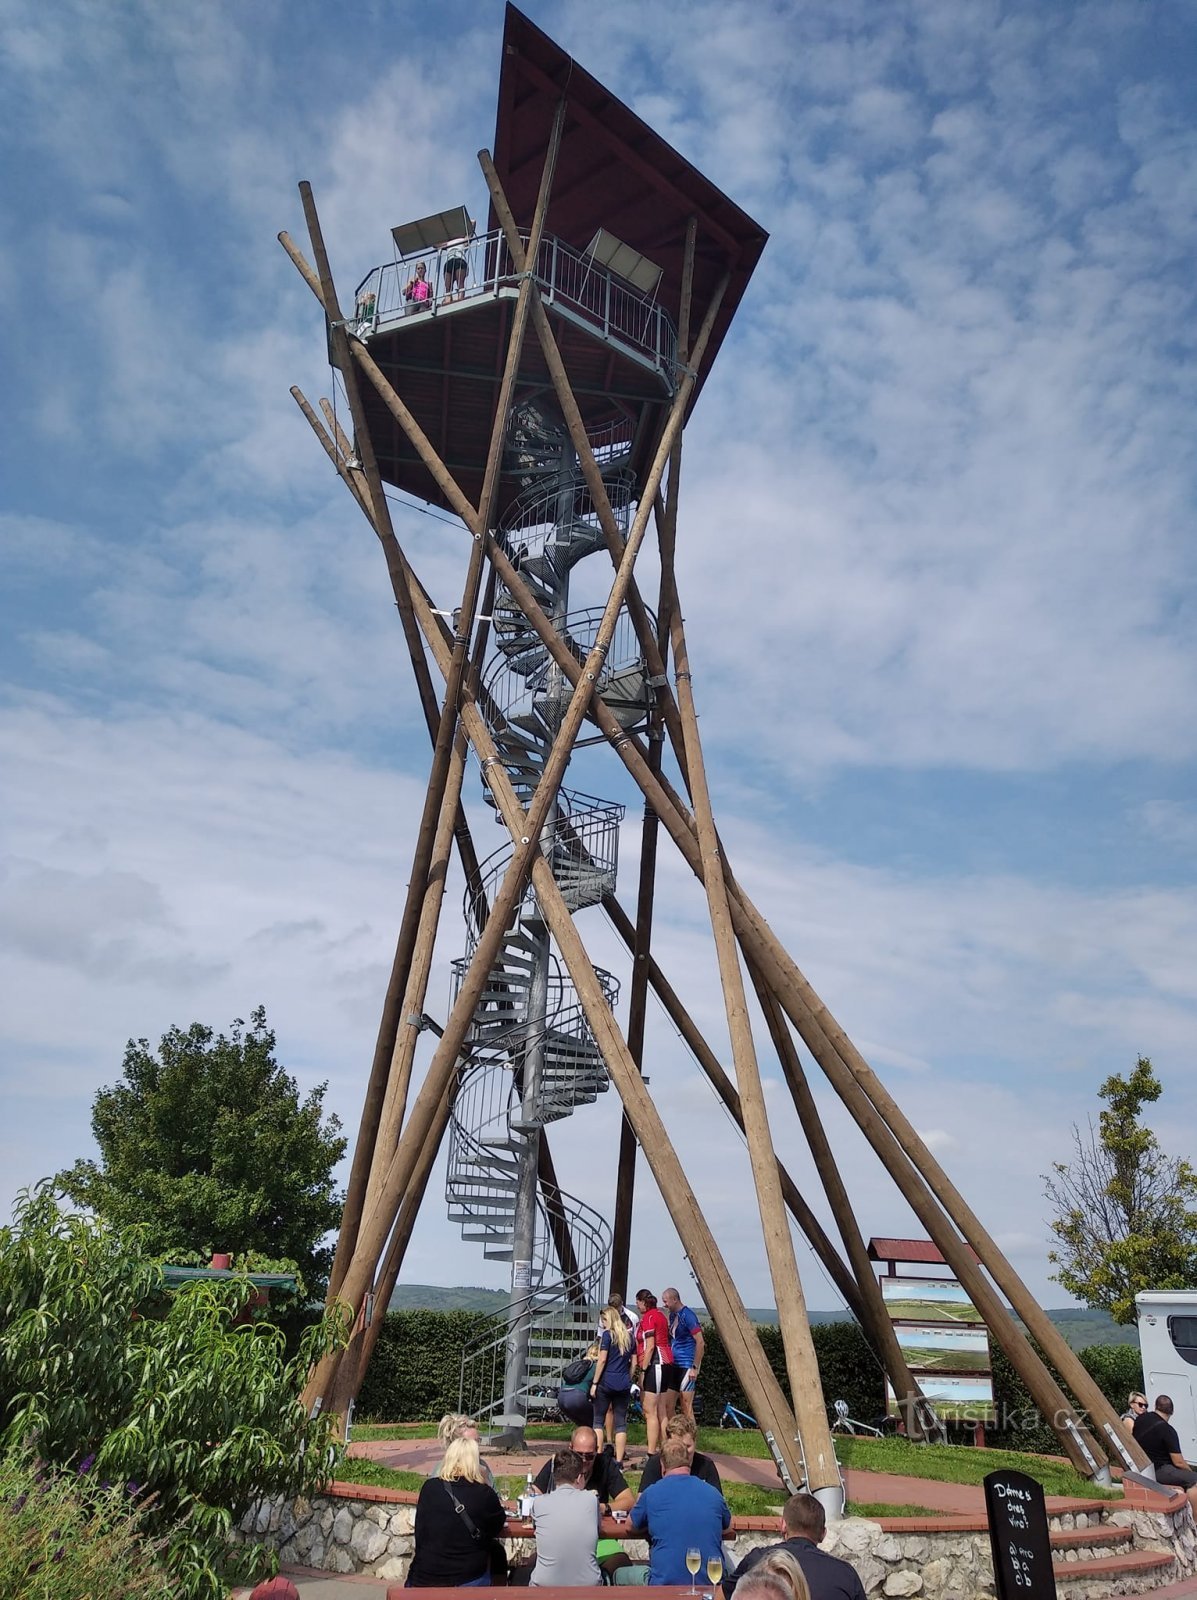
x,y
876,1320
822,1470
725,1089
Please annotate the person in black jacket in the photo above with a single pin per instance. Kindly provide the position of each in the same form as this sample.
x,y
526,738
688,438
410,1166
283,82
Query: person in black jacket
x,y
458,1517
804,1522
1153,1430
681,1426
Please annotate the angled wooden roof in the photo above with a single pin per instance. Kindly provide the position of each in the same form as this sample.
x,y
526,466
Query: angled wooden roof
x,y
614,172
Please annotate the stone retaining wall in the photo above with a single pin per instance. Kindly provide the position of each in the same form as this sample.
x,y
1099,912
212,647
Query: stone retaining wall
x,y
355,1528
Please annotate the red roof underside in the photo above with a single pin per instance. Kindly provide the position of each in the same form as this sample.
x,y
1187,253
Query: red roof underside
x,y
615,172
908,1250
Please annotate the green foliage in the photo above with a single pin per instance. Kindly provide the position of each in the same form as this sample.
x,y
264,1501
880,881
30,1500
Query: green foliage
x,y
1116,1369
1125,1213
207,1146
62,1534
847,1366
948,1463
100,1365
414,1373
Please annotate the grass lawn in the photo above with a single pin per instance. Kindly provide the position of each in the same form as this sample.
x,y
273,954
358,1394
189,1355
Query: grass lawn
x,y
947,1463
943,1463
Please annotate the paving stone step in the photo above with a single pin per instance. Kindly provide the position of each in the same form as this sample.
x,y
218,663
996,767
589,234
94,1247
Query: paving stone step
x,y
1119,1567
1107,1537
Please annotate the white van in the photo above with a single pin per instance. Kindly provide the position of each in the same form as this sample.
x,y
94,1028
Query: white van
x,y
1168,1344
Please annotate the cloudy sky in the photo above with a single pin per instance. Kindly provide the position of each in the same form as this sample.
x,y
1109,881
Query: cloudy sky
x,y
936,558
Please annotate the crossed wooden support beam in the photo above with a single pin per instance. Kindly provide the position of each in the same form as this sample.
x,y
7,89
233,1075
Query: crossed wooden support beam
x,y
399,1136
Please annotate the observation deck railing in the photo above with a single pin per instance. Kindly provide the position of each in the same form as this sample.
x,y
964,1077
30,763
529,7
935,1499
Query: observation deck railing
x,y
571,282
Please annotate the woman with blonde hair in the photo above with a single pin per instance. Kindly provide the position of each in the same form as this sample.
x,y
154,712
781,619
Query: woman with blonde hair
x,y
781,1564
458,1518
612,1381
456,1425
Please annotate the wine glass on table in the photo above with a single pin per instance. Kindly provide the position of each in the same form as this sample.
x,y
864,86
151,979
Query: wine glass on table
x,y
714,1569
693,1562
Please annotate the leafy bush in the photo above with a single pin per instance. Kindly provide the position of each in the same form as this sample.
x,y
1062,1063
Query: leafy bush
x,y
415,1371
1116,1368
164,1390
847,1366
64,1535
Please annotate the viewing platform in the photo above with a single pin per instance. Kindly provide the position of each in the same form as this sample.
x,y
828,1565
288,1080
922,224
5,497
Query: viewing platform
x,y
571,282
443,349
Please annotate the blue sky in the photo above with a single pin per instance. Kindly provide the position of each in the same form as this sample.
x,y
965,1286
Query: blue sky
x,y
937,559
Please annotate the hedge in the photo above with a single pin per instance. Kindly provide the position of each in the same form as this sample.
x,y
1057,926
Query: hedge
x,y
414,1372
414,1375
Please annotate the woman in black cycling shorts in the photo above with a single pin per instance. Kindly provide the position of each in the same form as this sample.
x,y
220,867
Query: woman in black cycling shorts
x,y
654,1357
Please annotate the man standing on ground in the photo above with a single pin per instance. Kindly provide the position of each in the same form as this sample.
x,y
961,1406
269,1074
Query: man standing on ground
x,y
803,1525
603,1476
685,1336
679,1513
567,1524
1161,1444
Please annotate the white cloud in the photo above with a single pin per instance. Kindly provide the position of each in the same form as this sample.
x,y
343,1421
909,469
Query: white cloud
x,y
937,510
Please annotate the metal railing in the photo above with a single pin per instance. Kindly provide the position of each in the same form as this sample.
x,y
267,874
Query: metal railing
x,y
585,829
570,281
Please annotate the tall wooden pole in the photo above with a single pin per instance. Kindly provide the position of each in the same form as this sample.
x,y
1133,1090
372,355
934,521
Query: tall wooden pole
x,y
878,1326
725,1089
625,1179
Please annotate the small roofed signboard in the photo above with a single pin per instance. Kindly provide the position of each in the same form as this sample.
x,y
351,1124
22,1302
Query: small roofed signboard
x,y
1019,1537
939,1329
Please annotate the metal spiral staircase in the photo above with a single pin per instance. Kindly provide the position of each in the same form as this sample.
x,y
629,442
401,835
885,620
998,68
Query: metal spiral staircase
x,y
532,1058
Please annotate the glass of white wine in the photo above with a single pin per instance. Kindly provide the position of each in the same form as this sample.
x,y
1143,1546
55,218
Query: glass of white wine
x,y
714,1569
693,1562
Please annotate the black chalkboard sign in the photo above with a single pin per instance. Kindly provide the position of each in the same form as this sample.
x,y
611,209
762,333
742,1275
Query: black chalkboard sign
x,y
1019,1537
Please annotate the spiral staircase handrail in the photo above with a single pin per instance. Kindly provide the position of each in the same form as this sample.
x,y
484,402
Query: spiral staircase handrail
x,y
580,812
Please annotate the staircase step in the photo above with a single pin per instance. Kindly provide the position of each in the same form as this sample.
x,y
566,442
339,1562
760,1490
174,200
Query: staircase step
x,y
1117,1568
1106,1536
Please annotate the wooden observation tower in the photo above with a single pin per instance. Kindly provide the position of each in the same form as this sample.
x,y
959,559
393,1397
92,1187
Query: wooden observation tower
x,y
534,378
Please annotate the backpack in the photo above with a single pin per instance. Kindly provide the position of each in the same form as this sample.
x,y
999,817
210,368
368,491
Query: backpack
x,y
576,1372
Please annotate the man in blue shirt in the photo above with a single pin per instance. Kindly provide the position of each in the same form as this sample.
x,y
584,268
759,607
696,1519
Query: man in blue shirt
x,y
679,1513
685,1336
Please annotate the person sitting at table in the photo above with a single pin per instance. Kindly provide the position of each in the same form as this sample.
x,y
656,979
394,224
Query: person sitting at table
x,y
679,1513
566,1521
603,1475
458,1518
803,1526
456,1425
681,1426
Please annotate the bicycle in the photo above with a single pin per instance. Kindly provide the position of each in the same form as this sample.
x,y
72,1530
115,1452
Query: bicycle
x,y
732,1417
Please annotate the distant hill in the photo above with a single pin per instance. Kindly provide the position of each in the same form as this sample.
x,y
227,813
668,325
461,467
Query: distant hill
x,y
1079,1325
432,1297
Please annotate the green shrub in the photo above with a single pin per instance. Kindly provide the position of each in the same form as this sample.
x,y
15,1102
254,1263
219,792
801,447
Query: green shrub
x,y
847,1366
1116,1368
64,1535
160,1389
414,1374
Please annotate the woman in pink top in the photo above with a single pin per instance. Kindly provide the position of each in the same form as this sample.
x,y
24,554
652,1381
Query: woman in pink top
x,y
418,291
654,1357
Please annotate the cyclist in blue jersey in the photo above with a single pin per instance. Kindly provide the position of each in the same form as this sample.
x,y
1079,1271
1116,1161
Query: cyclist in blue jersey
x,y
685,1337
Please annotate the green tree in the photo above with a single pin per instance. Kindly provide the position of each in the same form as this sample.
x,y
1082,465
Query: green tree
x,y
206,1146
165,1395
1125,1213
